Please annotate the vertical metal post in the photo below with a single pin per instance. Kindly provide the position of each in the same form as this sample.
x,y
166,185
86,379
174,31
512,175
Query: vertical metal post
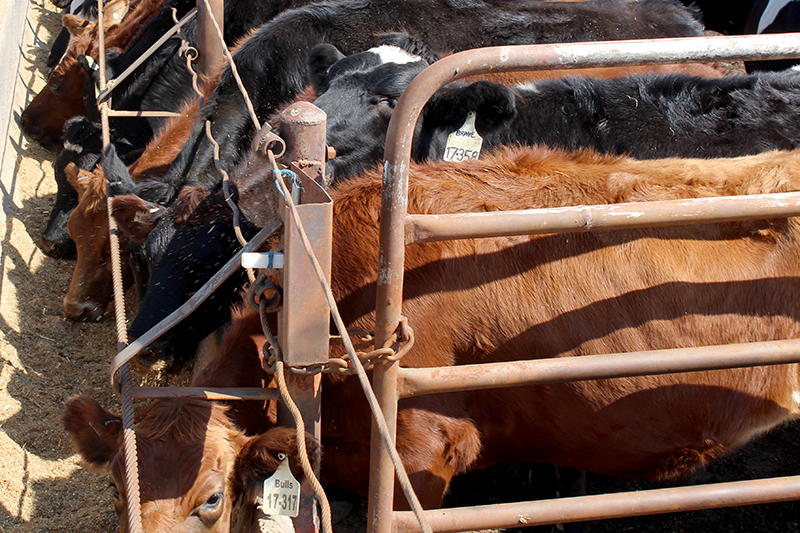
x,y
389,301
304,321
211,55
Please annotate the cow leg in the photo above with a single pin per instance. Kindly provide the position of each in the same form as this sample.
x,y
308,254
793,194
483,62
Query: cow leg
x,y
572,482
434,447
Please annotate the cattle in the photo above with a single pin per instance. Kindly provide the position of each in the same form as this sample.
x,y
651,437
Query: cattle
x,y
81,149
647,116
746,114
231,465
161,83
272,61
85,9
548,296
89,292
44,117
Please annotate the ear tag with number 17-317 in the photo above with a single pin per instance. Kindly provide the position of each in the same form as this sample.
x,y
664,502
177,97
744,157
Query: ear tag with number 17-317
x,y
464,143
281,491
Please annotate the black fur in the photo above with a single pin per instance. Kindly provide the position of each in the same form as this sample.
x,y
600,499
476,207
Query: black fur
x,y
273,62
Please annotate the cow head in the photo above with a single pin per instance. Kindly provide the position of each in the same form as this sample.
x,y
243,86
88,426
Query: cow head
x,y
113,13
175,252
90,290
82,147
60,99
194,462
359,93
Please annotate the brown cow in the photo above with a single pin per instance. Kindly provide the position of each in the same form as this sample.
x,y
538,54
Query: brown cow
x,y
61,98
170,431
514,298
87,300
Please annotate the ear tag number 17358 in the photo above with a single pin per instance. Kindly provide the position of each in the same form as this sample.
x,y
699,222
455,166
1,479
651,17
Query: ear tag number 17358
x,y
281,491
464,143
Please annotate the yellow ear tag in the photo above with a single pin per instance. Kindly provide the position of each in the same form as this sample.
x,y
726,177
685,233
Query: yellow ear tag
x,y
464,143
281,491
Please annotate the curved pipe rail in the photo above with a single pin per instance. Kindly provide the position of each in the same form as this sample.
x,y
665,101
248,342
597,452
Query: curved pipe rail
x,y
398,153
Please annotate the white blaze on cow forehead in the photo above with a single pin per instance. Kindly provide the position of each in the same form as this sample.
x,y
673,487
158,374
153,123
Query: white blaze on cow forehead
x,y
393,54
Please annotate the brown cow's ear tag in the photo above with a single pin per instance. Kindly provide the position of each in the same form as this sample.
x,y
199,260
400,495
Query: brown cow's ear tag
x,y
464,143
281,491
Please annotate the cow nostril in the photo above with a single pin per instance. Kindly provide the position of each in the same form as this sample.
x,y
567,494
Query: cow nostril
x,y
83,311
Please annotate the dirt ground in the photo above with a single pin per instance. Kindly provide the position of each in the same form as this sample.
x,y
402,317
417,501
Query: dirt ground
x,y
45,358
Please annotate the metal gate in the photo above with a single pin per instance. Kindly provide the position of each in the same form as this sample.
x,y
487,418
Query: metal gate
x,y
397,229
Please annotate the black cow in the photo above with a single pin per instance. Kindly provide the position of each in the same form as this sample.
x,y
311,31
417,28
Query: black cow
x,y
273,61
646,117
82,146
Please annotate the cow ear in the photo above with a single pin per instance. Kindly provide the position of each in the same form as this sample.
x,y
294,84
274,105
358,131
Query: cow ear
x,y
79,178
320,60
118,179
412,45
258,459
96,434
136,217
114,11
77,26
494,105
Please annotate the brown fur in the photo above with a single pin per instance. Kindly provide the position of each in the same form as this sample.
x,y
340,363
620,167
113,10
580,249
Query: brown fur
x,y
516,298
191,449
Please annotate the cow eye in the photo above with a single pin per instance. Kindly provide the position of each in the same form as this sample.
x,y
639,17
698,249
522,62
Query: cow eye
x,y
211,510
213,501
55,88
114,490
383,100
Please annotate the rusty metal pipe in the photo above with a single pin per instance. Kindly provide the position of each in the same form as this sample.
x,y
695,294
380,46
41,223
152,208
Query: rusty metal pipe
x,y
600,507
212,56
419,381
146,114
394,197
206,393
427,228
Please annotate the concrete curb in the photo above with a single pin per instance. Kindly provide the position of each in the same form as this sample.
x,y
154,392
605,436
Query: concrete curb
x,y
13,20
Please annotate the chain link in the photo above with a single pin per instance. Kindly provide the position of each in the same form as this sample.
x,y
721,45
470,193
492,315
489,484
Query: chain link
x,y
402,341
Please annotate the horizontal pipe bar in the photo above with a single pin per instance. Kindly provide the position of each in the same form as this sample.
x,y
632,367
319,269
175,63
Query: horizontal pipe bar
x,y
206,393
604,506
420,381
106,92
428,228
146,114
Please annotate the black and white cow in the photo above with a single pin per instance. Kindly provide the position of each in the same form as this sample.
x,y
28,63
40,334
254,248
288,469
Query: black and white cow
x,y
646,117
272,62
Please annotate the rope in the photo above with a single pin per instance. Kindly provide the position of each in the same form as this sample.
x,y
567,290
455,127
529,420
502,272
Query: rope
x,y
322,498
383,429
128,432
